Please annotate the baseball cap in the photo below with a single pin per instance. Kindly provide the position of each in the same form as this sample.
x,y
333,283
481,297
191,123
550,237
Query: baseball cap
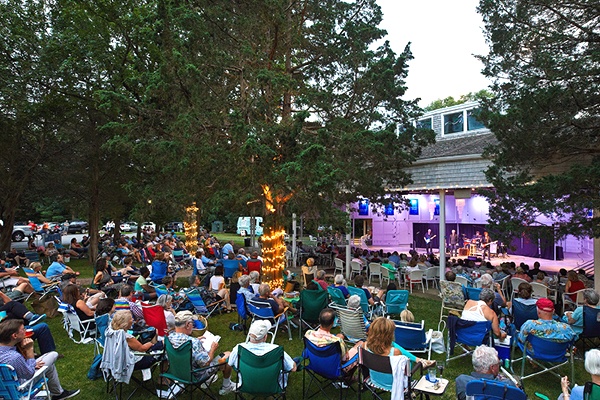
x,y
259,329
545,305
183,316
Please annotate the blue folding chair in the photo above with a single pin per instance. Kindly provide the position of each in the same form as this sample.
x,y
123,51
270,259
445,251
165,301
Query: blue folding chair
x,y
324,368
336,296
230,267
242,309
591,327
38,287
396,301
364,303
487,389
101,325
466,333
260,310
11,387
546,354
413,337
522,312
200,305
472,293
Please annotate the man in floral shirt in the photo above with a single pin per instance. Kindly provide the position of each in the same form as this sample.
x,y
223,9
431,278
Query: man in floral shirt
x,y
545,327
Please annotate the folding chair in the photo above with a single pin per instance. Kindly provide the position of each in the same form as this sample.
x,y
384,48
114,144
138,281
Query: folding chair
x,y
336,296
160,289
11,387
375,374
514,284
413,337
488,389
100,336
33,256
453,299
364,303
184,376
396,301
261,376
375,270
242,310
522,312
462,280
230,267
385,276
155,317
472,293
39,288
310,305
539,290
200,306
567,300
264,311
324,367
466,333
254,265
591,327
546,354
352,323
81,332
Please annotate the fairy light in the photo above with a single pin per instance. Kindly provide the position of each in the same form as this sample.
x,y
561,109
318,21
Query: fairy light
x,y
273,257
190,226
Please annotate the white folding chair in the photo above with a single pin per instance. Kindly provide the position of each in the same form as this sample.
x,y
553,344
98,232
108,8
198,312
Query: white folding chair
x,y
375,270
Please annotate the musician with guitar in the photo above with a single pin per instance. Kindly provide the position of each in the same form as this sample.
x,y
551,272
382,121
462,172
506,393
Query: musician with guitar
x,y
485,244
428,238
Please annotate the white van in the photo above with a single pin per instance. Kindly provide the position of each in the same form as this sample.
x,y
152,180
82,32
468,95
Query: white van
x,y
243,226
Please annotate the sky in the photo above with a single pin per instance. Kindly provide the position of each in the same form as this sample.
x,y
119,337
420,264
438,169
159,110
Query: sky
x,y
444,36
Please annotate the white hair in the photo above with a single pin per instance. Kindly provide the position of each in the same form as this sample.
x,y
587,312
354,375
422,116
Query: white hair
x,y
486,280
339,279
484,358
254,275
354,301
592,362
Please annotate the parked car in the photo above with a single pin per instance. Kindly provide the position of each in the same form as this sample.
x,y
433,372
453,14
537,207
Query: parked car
x,y
174,226
20,231
132,226
78,227
149,225
125,227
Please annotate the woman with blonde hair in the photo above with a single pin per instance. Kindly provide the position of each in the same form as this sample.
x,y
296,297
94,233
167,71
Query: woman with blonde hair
x,y
122,320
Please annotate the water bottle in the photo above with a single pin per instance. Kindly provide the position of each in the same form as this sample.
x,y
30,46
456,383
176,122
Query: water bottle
x,y
502,324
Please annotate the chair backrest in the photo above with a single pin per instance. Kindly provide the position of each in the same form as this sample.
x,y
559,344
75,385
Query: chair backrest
x,y
180,361
523,312
374,268
101,325
356,266
178,255
462,280
410,335
325,360
548,350
36,284
396,301
416,275
155,317
32,255
230,267
472,293
241,307
591,322
515,282
472,334
260,374
431,272
311,303
539,290
336,295
488,389
591,391
196,299
261,310
374,367
9,384
339,264
161,289
364,303
352,323
254,265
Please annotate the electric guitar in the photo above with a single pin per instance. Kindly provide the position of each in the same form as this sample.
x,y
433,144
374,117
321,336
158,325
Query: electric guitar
x,y
487,244
430,239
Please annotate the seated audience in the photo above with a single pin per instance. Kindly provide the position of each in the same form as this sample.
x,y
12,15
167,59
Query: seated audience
x,y
573,285
452,292
58,268
17,350
481,310
84,305
217,285
166,302
320,279
592,366
575,318
486,365
245,287
359,281
142,286
257,344
265,297
184,325
339,283
520,273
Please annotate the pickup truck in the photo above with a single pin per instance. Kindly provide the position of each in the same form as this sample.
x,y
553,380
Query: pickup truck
x,y
20,231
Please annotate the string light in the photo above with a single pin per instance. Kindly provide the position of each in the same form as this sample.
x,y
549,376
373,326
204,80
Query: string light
x,y
273,257
190,226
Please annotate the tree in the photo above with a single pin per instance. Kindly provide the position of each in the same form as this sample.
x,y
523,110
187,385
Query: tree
x,y
450,101
545,113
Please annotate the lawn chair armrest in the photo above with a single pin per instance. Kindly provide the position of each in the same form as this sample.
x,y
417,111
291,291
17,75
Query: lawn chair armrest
x,y
39,374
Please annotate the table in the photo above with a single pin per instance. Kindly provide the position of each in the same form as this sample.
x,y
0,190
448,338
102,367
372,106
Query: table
x,y
423,386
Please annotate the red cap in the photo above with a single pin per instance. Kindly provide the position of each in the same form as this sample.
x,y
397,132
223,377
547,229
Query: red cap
x,y
545,305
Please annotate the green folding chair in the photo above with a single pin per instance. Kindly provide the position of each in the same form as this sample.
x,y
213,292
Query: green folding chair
x,y
310,305
261,376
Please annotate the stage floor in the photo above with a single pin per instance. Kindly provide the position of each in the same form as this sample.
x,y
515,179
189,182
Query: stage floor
x,y
570,261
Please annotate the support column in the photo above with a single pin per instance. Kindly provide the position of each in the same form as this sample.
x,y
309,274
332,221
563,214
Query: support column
x,y
596,258
294,249
442,233
348,257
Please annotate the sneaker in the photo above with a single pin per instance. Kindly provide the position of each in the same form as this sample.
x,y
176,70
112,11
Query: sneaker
x,y
36,319
66,394
209,381
227,389
342,385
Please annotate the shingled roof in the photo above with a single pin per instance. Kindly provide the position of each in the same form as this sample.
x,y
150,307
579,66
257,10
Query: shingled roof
x,y
464,144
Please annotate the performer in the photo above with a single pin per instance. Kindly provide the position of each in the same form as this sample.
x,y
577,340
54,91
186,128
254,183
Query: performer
x,y
453,243
428,238
485,243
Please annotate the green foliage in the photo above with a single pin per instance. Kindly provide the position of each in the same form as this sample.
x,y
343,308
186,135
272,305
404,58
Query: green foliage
x,y
545,69
450,101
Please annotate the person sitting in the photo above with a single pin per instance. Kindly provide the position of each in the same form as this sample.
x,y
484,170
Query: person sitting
x,y
17,350
592,366
142,286
257,345
486,365
487,281
265,297
103,278
58,268
545,326
217,285
573,285
166,302
320,279
16,310
126,299
481,310
245,287
338,283
575,318
525,290
160,267
85,305
520,273
391,270
184,325
254,281
309,270
452,292
10,277
359,281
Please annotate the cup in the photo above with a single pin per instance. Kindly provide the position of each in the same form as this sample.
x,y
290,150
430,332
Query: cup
x,y
432,375
28,333
2,315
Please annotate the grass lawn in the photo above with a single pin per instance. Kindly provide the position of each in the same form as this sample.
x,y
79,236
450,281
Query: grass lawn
x,y
73,368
